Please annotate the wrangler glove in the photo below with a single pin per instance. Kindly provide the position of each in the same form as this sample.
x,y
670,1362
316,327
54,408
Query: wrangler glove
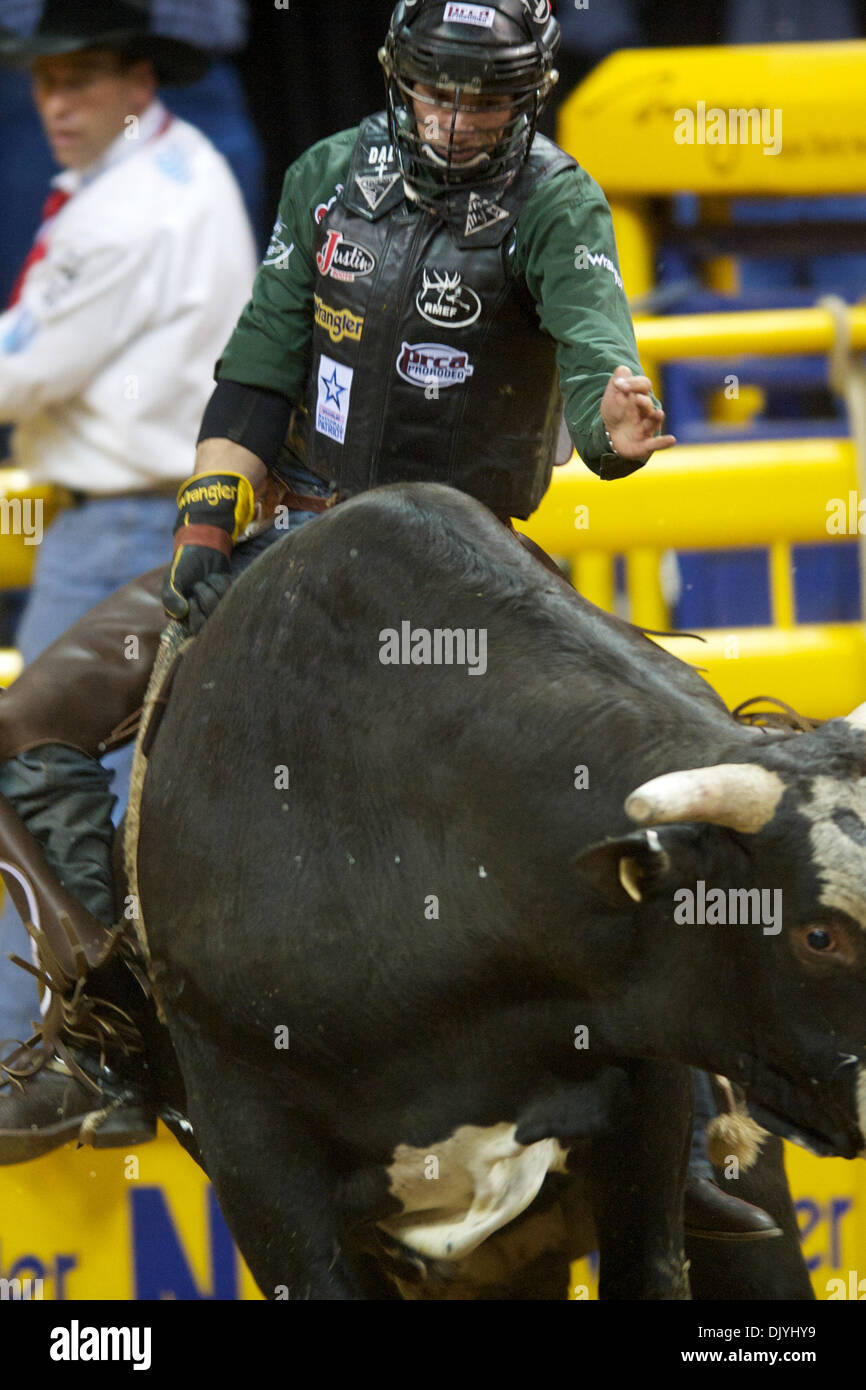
x,y
213,510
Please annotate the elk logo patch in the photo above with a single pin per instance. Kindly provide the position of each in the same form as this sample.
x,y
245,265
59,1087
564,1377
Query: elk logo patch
x,y
444,298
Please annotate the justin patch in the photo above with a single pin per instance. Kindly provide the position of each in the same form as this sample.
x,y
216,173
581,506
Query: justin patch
x,y
343,259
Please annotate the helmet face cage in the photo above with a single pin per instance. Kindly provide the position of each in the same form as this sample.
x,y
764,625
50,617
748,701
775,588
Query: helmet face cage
x,y
472,125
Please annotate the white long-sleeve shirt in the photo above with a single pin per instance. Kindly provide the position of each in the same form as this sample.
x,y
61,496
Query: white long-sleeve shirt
x,y
106,361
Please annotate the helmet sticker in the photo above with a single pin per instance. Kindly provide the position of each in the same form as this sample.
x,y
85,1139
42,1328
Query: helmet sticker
x,y
482,15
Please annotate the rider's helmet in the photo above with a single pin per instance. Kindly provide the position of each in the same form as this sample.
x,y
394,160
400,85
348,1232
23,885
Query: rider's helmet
x,y
477,56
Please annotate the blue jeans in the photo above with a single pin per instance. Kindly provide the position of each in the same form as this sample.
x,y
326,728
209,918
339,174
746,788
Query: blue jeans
x,y
118,539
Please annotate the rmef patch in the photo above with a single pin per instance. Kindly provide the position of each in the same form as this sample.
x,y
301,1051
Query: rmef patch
x,y
481,15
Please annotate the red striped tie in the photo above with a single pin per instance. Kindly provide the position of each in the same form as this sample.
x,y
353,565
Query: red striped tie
x,y
53,203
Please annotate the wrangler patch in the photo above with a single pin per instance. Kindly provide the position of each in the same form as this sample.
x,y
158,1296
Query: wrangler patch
x,y
338,323
211,493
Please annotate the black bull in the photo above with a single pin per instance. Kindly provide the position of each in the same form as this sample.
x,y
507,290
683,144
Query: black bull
x,y
410,994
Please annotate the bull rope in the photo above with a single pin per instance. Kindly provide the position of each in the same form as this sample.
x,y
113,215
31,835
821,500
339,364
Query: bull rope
x,y
174,641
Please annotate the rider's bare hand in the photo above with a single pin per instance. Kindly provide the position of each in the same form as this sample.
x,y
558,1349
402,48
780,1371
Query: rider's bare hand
x,y
631,418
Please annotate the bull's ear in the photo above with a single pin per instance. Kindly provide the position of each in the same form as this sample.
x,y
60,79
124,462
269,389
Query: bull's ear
x,y
636,865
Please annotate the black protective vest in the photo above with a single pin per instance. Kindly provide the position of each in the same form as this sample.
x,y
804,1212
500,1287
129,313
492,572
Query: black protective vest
x,y
429,363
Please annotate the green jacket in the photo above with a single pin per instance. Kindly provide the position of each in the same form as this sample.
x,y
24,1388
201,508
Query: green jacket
x,y
562,246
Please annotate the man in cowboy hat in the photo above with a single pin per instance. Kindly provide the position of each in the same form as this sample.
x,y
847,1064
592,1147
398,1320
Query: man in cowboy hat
x,y
138,272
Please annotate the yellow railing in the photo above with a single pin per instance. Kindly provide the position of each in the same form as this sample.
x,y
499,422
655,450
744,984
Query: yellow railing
x,y
768,332
719,496
776,494
714,496
642,122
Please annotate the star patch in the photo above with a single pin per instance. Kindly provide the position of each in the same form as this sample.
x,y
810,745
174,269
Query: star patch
x,y
335,382
333,389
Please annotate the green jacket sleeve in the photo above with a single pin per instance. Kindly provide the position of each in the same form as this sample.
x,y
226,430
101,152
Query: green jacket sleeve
x,y
271,347
566,252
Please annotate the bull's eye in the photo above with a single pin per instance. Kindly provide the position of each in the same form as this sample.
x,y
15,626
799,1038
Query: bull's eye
x,y
825,943
819,939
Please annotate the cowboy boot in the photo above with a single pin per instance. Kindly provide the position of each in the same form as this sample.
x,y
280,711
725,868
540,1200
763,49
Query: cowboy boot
x,y
60,1092
708,1211
72,704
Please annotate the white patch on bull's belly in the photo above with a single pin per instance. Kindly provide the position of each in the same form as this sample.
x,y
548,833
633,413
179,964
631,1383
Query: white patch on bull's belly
x,y
839,859
485,1179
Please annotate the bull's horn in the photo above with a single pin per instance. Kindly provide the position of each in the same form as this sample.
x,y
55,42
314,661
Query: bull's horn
x,y
857,717
741,796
